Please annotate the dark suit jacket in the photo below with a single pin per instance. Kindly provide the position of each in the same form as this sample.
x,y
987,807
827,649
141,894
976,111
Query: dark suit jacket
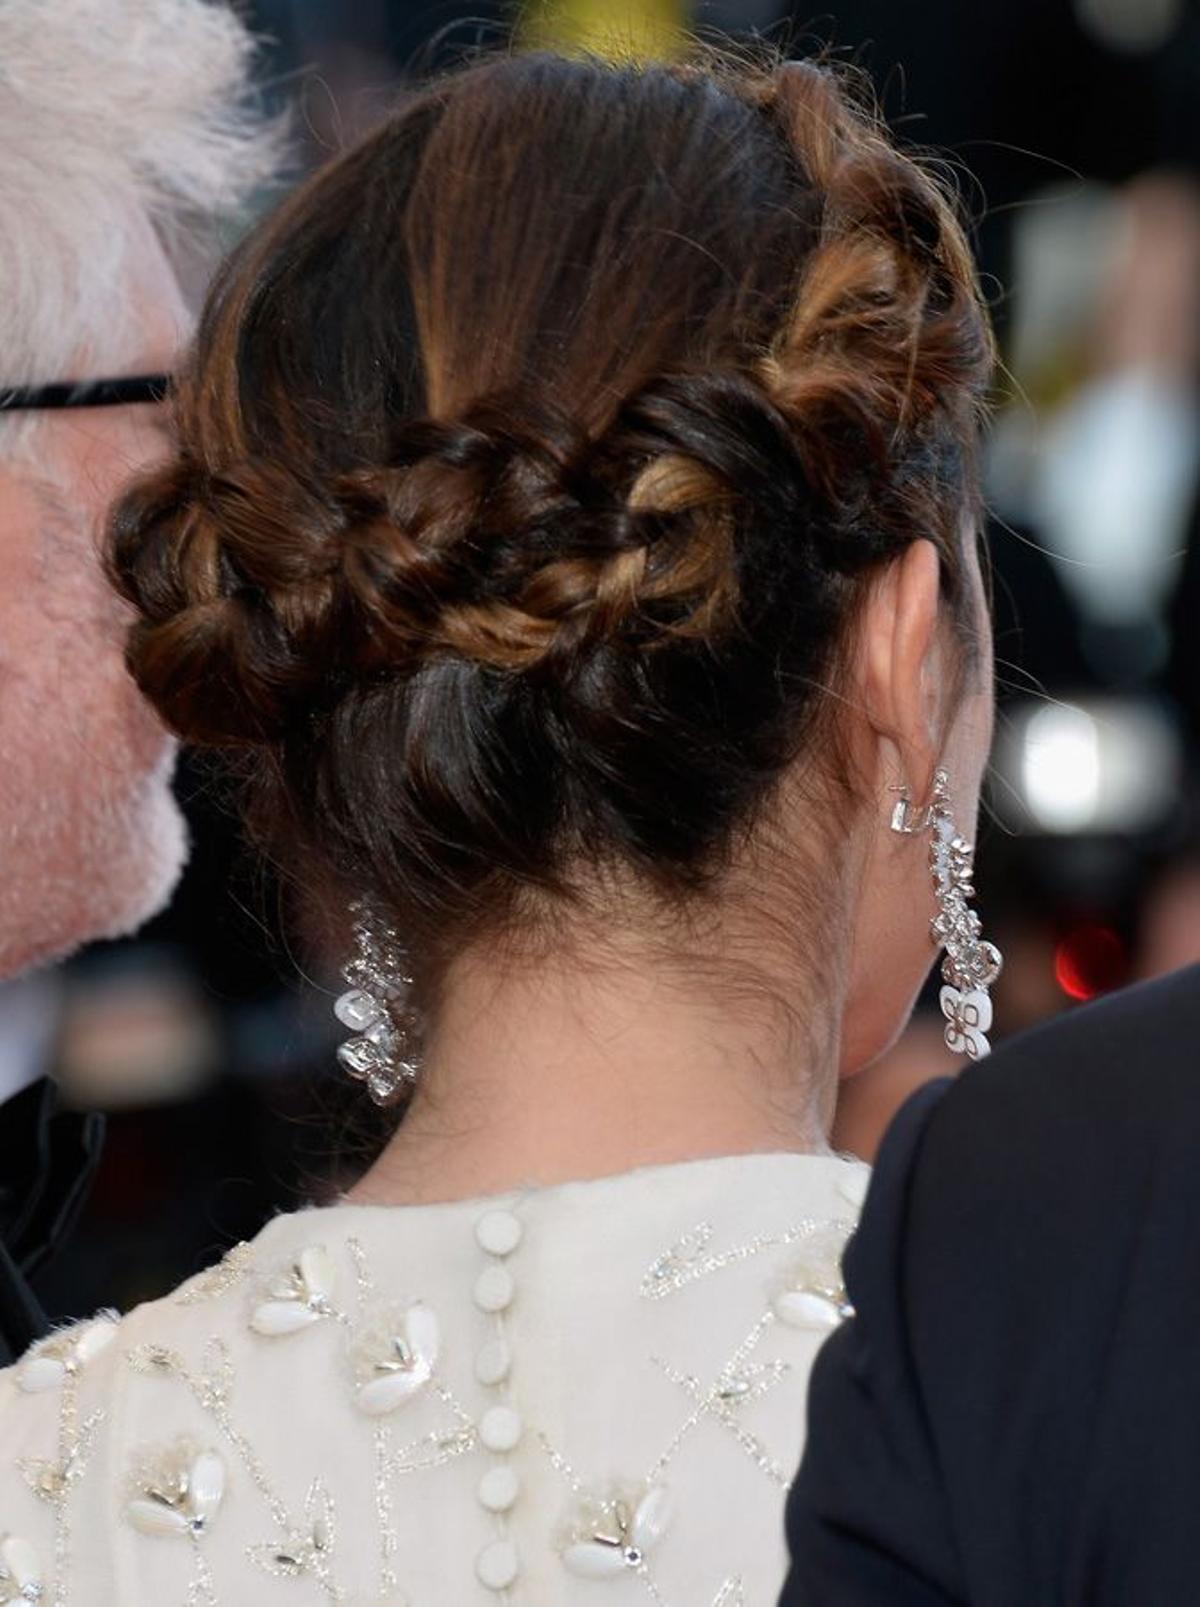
x,y
1013,1417
47,1159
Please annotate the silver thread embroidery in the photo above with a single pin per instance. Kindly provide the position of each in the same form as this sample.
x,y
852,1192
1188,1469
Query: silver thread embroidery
x,y
689,1259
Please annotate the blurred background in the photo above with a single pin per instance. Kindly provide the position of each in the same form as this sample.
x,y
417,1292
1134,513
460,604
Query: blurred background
x,y
1072,129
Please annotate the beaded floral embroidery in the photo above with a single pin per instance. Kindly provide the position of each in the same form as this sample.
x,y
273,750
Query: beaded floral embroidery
x,y
396,1361
617,1534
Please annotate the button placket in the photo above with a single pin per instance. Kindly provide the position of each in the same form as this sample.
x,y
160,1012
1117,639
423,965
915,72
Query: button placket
x,y
498,1234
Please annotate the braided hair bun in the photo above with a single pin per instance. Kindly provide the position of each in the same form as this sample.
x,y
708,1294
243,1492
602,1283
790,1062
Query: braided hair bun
x,y
530,459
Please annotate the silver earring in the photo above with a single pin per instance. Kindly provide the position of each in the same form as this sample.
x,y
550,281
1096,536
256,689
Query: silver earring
x,y
383,1053
971,964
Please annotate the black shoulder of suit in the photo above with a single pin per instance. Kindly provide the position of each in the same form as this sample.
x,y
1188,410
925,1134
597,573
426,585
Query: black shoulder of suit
x,y
47,1160
1012,1418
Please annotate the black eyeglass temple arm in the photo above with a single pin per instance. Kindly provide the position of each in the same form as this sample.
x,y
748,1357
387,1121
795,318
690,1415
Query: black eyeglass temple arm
x,y
85,393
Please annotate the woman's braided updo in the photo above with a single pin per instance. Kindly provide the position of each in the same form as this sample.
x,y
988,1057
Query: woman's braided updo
x,y
531,459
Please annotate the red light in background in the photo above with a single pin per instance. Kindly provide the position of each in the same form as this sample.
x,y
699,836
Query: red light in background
x,y
1090,960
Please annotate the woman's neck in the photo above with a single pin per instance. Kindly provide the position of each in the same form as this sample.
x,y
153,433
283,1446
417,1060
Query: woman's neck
x,y
571,1071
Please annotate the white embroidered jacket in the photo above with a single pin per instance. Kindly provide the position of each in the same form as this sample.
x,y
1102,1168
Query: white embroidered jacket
x,y
586,1394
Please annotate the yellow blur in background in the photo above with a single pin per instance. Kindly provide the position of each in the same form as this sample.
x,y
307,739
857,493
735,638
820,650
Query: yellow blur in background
x,y
649,30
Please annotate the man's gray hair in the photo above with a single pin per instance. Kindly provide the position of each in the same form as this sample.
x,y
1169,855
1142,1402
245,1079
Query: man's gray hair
x,y
113,113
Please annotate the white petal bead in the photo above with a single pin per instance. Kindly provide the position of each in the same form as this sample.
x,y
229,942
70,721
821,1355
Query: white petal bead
x,y
424,1333
277,1317
316,1269
20,1561
590,1560
651,1519
498,1565
493,1363
153,1518
206,1484
500,1428
498,1489
494,1289
498,1232
391,1391
40,1373
800,1308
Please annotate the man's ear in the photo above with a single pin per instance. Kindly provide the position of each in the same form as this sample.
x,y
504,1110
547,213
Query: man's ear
x,y
901,687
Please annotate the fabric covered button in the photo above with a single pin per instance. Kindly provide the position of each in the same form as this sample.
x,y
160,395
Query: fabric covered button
x,y
493,1362
498,1232
494,1289
498,1489
500,1428
497,1565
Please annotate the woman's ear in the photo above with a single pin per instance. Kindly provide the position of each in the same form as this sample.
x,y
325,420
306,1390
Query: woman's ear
x,y
902,686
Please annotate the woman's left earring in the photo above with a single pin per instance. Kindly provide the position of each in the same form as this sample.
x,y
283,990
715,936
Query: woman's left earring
x,y
970,964
383,1052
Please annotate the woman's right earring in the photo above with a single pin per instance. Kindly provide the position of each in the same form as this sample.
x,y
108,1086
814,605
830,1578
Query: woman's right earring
x,y
971,964
383,1053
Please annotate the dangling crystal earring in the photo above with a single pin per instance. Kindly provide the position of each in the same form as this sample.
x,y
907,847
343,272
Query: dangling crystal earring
x,y
383,1053
971,964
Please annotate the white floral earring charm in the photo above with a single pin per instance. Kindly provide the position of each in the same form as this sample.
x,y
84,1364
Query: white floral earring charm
x,y
376,1009
971,964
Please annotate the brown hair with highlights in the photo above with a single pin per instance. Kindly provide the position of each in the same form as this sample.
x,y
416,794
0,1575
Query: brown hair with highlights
x,y
532,458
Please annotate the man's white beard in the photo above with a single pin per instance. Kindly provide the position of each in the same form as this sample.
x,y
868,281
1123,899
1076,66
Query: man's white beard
x,y
99,869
